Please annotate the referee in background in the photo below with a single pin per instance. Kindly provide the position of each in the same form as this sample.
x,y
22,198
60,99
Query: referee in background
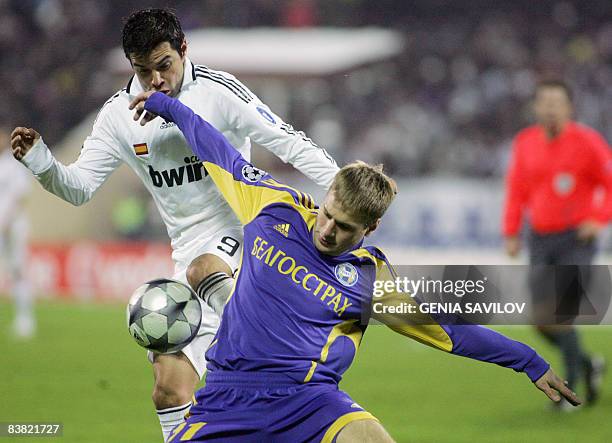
x,y
557,171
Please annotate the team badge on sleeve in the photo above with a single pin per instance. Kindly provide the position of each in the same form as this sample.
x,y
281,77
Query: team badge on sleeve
x,y
346,274
252,174
266,114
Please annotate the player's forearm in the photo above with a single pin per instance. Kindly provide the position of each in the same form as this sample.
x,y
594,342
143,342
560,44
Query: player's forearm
x,y
298,150
603,212
511,224
64,181
69,187
513,213
486,345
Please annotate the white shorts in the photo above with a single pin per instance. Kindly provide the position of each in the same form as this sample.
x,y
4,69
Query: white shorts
x,y
227,245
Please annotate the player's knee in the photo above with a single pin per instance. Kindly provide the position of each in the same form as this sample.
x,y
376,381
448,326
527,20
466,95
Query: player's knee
x,y
204,265
365,431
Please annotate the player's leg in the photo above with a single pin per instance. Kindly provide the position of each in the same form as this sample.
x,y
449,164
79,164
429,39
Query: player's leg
x,y
579,363
175,381
24,325
364,431
210,274
176,376
211,278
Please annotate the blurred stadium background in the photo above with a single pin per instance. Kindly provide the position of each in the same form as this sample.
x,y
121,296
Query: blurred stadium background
x,y
433,89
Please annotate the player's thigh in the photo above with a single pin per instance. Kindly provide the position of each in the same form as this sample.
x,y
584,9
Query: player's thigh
x,y
364,431
226,245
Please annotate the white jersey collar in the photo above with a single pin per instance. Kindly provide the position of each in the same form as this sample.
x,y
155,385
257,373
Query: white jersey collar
x,y
134,87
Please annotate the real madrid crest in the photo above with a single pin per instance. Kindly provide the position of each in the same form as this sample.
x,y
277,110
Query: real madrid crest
x,y
346,274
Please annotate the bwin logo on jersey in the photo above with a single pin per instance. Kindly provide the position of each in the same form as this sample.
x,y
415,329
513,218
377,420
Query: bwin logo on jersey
x,y
193,171
252,174
346,274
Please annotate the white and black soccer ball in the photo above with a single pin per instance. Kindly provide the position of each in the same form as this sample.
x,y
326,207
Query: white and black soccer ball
x,y
164,315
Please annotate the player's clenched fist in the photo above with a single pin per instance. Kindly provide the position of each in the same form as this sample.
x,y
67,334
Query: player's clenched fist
x,y
22,140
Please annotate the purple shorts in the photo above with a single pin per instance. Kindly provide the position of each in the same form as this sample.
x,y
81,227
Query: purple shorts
x,y
266,407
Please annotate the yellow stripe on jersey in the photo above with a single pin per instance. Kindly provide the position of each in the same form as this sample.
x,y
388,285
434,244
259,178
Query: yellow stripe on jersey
x,y
364,253
193,428
418,326
248,200
175,432
348,329
311,371
335,428
235,277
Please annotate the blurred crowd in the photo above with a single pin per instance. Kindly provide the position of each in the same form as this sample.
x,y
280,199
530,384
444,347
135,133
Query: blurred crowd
x,y
448,104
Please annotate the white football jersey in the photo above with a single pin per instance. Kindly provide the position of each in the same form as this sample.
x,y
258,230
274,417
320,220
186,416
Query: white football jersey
x,y
186,198
14,186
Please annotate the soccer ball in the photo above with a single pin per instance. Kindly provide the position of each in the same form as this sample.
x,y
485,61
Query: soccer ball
x,y
163,315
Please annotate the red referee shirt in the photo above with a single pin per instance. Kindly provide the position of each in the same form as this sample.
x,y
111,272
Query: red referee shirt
x,y
557,181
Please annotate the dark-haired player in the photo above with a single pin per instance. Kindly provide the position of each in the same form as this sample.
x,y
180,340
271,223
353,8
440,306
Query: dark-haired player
x,y
301,304
206,236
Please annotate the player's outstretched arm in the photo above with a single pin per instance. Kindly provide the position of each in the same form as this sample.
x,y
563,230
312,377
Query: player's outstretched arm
x,y
472,341
255,120
77,182
247,189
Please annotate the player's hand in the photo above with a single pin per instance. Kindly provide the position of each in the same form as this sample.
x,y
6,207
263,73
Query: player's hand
x,y
555,388
512,245
22,140
589,230
138,106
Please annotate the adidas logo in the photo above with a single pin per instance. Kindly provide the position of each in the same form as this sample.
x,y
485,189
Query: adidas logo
x,y
283,228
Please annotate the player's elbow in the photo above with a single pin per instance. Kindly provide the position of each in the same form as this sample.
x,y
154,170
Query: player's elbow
x,y
79,198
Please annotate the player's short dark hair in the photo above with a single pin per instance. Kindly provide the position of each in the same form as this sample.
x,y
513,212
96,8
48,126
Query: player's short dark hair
x,y
556,83
147,28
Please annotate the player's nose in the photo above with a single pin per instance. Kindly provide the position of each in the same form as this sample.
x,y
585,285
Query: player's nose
x,y
156,79
327,230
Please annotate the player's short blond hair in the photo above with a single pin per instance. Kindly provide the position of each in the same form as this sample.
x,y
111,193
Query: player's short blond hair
x,y
363,191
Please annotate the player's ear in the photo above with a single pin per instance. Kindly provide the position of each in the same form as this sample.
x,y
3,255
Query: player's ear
x,y
372,227
183,50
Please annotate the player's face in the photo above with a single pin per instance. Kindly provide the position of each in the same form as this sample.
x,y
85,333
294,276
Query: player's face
x,y
553,107
162,69
336,231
